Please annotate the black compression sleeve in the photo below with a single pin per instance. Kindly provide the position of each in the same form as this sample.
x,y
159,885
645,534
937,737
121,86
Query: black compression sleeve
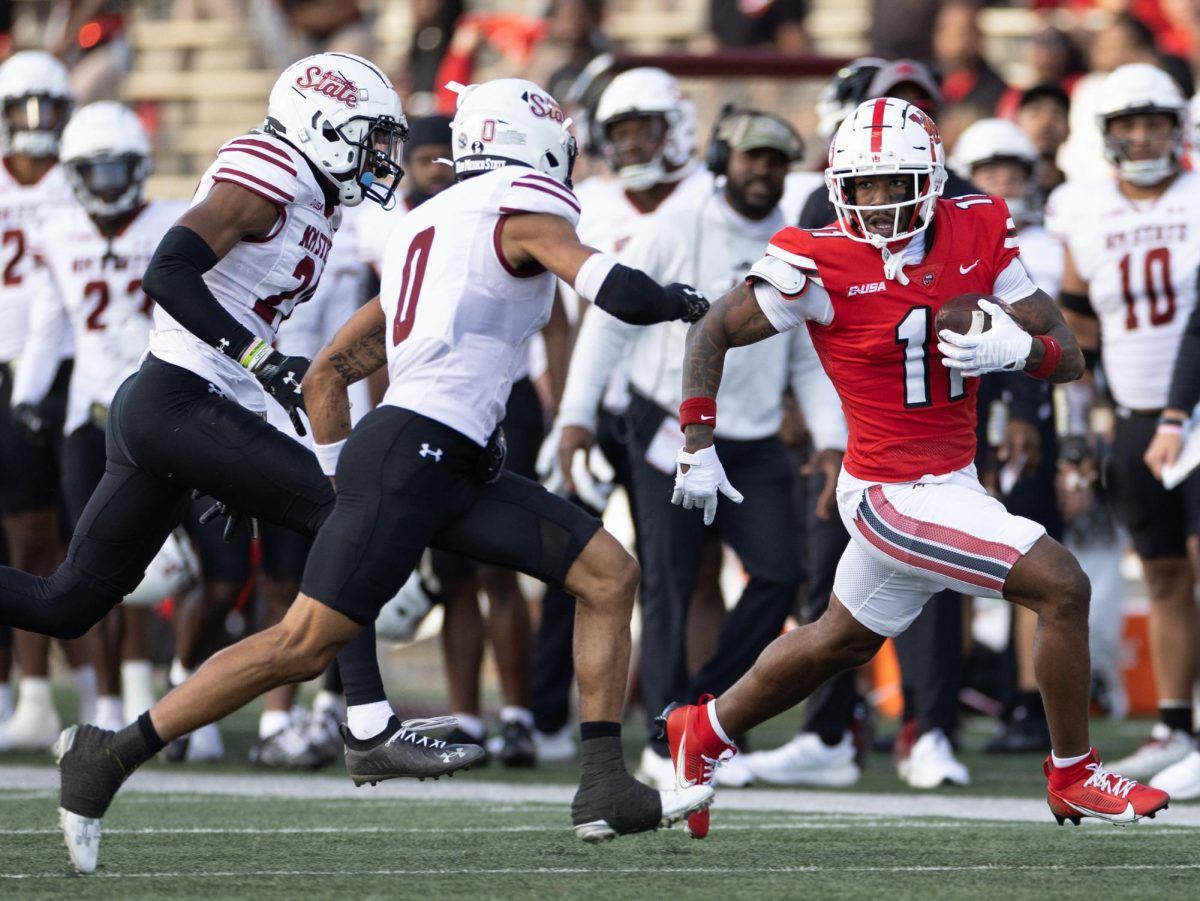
x,y
1076,303
175,279
1185,380
636,298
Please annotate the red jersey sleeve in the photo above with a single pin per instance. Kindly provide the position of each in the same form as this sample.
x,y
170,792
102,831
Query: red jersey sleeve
x,y
791,245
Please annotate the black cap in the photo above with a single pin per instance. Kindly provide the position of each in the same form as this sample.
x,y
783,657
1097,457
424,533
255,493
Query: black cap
x,y
428,130
1046,91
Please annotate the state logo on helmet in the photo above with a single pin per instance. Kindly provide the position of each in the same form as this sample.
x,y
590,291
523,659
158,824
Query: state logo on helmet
x,y
886,136
1138,89
106,154
35,103
999,141
648,92
510,122
343,114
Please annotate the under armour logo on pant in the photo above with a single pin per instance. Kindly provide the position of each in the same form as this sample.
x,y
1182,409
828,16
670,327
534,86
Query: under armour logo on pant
x,y
427,451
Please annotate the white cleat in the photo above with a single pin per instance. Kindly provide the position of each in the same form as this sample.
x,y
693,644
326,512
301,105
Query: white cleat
x,y
555,747
734,772
676,805
806,760
205,745
1181,780
30,728
82,835
1166,747
932,763
657,772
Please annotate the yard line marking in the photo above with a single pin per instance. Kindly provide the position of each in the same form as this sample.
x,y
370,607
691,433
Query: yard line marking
x,y
607,871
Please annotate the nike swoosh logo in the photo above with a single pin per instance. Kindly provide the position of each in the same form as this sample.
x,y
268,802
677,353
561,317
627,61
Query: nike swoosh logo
x,y
681,780
704,418
963,270
1127,812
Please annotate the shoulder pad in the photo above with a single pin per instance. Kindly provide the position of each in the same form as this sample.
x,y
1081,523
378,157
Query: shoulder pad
x,y
533,192
262,164
784,277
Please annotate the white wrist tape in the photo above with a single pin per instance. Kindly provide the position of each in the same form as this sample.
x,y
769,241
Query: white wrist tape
x,y
327,455
591,275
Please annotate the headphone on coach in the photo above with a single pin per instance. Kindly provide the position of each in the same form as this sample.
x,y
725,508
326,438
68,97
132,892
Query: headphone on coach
x,y
716,157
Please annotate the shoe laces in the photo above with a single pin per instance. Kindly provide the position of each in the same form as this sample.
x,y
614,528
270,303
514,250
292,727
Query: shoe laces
x,y
710,765
1109,783
410,731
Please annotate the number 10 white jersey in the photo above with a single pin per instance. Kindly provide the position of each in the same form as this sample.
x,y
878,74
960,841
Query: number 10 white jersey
x,y
458,315
1140,261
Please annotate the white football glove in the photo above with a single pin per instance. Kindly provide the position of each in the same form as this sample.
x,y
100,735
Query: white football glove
x,y
1002,348
698,486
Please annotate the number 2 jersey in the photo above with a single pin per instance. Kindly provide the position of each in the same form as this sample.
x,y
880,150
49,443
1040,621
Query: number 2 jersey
x,y
459,315
908,415
93,296
1140,261
22,207
260,280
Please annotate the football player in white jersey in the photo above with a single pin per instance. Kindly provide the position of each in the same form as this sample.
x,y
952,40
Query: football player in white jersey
x,y
35,103
468,277
1128,288
94,254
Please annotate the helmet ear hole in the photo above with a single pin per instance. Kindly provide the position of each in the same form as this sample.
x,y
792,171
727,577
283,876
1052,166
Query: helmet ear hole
x,y
328,132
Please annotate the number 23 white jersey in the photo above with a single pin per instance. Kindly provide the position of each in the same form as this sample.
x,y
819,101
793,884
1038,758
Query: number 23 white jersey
x,y
1140,262
458,316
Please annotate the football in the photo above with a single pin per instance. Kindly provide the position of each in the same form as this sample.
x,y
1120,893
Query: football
x,y
963,315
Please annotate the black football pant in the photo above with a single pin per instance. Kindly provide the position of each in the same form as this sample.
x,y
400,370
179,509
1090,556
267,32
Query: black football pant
x,y
761,530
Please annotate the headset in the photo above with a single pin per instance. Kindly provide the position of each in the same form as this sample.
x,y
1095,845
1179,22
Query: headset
x,y
716,157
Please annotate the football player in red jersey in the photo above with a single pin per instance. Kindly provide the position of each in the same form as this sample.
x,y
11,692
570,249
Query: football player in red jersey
x,y
869,290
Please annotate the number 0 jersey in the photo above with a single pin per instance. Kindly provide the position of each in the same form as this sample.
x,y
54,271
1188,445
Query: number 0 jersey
x,y
260,280
22,207
908,415
93,296
1140,262
458,315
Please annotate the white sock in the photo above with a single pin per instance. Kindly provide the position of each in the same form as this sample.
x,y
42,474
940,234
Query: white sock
x,y
516,715
716,723
1063,762
273,721
179,672
109,710
329,700
5,701
84,678
137,688
471,724
368,720
34,692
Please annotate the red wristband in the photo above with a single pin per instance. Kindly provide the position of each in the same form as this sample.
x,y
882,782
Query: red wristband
x,y
698,411
1049,360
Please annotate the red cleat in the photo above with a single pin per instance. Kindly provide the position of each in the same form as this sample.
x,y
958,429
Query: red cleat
x,y
1088,790
697,751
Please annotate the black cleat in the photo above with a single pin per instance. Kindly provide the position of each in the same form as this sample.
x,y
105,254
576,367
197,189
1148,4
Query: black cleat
x,y
287,749
517,748
402,751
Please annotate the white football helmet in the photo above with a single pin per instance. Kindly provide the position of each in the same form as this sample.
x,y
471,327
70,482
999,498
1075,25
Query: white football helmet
x,y
174,569
510,122
997,140
36,100
343,114
1141,88
106,154
886,136
649,92
844,92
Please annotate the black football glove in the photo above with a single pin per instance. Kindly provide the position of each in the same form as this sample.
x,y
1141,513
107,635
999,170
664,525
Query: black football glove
x,y
281,377
30,424
692,304
232,518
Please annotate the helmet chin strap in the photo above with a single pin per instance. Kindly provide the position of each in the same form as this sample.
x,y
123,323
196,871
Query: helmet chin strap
x,y
893,265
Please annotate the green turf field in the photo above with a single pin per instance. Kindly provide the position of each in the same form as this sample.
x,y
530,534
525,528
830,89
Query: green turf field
x,y
226,831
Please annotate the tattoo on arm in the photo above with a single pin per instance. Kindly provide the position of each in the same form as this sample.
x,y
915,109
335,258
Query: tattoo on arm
x,y
1040,315
356,361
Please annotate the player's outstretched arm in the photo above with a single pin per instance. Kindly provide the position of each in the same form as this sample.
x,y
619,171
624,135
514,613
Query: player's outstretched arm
x,y
1040,315
356,351
628,294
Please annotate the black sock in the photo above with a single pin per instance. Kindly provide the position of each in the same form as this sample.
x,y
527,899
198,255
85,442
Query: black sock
x,y
599,729
1176,716
606,790
1031,703
137,743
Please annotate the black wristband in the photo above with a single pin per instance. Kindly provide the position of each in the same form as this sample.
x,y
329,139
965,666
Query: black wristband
x,y
1171,420
1076,303
175,279
634,297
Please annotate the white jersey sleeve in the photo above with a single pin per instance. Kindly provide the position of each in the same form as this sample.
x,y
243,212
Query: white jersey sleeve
x,y
532,192
49,332
786,296
258,164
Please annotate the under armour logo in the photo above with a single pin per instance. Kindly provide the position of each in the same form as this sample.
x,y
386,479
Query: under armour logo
x,y
213,389
290,379
223,345
692,292
427,451
448,756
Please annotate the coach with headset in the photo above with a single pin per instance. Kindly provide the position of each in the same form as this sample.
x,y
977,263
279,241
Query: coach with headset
x,y
711,243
